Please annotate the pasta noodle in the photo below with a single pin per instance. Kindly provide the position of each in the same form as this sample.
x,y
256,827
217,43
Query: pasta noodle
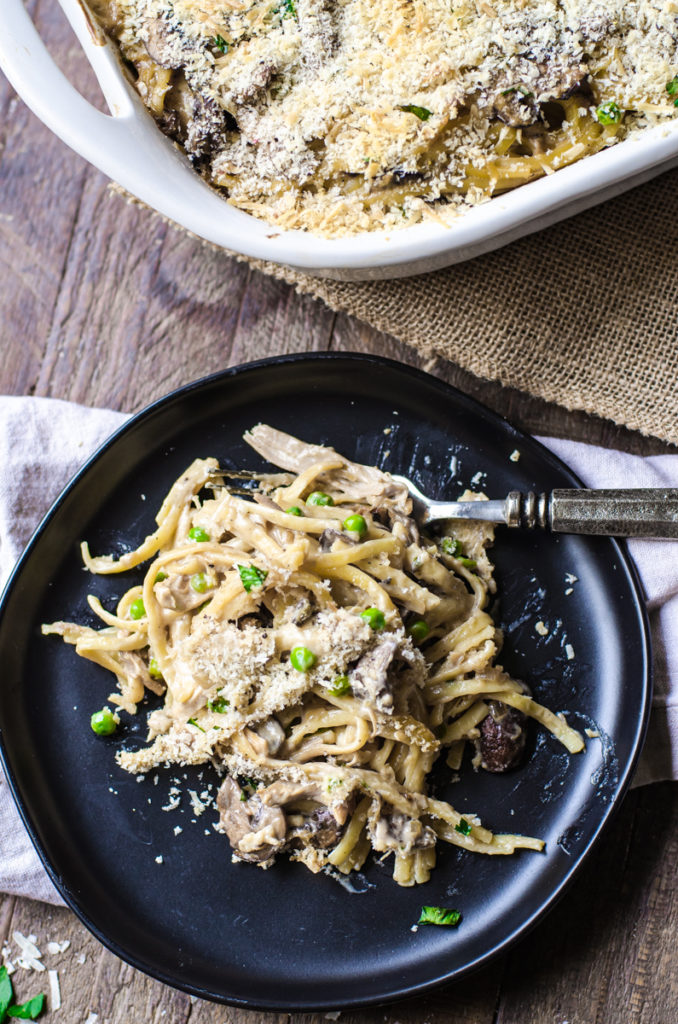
x,y
309,642
342,116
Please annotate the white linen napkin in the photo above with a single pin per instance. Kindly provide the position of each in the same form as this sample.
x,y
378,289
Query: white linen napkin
x,y
44,441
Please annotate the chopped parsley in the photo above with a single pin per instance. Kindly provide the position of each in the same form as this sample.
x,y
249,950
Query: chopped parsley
x,y
451,546
219,704
468,563
249,786
6,991
29,1010
251,576
524,92
672,89
421,112
286,9
192,721
333,783
609,113
439,915
463,827
219,43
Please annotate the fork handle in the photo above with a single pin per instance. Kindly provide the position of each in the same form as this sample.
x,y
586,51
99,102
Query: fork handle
x,y
642,512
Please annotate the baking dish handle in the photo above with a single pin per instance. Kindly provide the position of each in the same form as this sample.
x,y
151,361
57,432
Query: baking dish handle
x,y
46,90
119,143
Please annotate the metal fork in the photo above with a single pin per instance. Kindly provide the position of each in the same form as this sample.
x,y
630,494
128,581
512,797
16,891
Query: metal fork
x,y
643,512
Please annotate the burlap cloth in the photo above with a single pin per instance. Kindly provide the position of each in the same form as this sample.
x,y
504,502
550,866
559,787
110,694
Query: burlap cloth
x,y
583,314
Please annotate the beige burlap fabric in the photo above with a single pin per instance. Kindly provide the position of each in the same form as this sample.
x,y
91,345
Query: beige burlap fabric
x,y
584,314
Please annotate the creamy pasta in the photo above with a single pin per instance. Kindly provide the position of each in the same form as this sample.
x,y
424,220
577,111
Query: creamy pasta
x,y
341,116
307,640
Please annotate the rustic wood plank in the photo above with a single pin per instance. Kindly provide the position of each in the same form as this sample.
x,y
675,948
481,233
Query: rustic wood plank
x,y
40,184
275,319
607,952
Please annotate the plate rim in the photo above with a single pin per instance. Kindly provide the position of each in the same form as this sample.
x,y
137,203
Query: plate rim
x,y
546,905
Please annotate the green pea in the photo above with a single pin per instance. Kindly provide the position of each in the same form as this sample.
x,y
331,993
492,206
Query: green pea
x,y
356,524
294,510
374,618
302,659
418,630
160,576
154,669
103,722
197,533
199,582
340,686
319,498
137,609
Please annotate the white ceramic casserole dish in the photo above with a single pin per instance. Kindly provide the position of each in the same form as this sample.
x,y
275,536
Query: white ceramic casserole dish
x,y
128,147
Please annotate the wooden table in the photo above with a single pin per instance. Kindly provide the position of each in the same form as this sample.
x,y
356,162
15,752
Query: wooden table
x,y
104,304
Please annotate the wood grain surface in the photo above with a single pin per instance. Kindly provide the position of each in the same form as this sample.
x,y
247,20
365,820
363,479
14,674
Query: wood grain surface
x,y
102,303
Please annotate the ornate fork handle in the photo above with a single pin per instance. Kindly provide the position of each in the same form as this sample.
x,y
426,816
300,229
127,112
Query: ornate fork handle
x,y
643,512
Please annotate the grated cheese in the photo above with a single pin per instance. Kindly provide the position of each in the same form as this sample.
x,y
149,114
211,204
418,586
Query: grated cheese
x,y
54,991
339,116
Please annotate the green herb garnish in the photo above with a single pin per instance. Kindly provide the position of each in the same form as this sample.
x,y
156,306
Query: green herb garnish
x,y
6,992
192,721
286,9
468,563
421,112
451,546
251,576
29,1010
219,43
248,784
439,915
523,90
672,89
609,113
160,576
219,704
463,827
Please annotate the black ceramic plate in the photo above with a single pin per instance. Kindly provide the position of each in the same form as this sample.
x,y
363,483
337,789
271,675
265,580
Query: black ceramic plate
x,y
174,905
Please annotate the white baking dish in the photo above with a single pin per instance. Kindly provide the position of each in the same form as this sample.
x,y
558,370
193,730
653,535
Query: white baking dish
x,y
129,147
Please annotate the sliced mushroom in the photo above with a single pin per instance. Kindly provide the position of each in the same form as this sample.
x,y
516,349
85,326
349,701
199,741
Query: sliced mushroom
x,y
503,734
369,679
255,830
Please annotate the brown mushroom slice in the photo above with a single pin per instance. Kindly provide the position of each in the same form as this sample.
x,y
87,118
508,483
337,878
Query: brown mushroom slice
x,y
503,734
256,831
370,680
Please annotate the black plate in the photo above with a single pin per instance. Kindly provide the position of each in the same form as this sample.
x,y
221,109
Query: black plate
x,y
285,938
